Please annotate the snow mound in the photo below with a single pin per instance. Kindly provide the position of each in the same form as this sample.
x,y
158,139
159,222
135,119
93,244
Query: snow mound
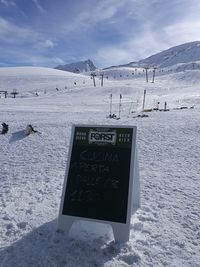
x,y
23,71
34,80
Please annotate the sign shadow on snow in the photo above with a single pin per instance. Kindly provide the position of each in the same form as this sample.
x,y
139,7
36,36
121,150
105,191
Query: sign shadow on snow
x,y
44,246
19,135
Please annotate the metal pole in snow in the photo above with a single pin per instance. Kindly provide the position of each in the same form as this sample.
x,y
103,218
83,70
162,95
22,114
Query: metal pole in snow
x,y
102,79
154,72
144,100
137,103
110,105
146,70
120,97
165,106
93,77
94,81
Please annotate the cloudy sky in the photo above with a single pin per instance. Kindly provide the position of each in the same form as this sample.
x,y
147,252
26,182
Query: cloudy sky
x,y
109,32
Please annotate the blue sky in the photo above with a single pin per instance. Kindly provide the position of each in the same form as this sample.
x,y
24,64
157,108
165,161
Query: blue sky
x,y
109,32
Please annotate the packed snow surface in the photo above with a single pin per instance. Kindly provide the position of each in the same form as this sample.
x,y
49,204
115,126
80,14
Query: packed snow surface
x,y
165,231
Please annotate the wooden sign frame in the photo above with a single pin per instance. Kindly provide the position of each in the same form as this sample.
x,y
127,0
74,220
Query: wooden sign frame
x,y
102,135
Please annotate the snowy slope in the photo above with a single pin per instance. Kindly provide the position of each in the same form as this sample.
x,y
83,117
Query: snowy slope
x,y
176,59
164,232
184,53
29,80
183,61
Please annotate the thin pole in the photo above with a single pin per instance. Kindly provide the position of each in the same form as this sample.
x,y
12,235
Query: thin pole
x,y
120,104
154,73
146,69
165,106
110,105
144,100
93,77
102,79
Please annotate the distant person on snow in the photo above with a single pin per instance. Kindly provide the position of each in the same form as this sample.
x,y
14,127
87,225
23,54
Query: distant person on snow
x,y
29,129
5,128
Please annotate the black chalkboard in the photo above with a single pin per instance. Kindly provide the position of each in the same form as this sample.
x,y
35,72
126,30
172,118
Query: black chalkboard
x,y
98,174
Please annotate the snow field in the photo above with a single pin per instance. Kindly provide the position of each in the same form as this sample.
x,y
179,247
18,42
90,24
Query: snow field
x,y
164,232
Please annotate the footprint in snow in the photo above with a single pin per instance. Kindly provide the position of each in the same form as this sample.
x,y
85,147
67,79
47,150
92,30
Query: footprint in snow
x,y
22,225
130,259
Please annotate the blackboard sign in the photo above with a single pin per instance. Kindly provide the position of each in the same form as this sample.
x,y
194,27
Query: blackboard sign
x,y
98,176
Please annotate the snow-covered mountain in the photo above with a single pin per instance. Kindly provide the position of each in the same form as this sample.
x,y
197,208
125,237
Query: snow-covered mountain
x,y
78,67
187,54
175,59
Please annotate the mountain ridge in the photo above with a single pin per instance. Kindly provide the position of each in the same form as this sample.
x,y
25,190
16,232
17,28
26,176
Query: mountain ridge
x,y
78,67
184,56
180,54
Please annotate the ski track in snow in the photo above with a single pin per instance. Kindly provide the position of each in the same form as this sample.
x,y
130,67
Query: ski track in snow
x,y
164,232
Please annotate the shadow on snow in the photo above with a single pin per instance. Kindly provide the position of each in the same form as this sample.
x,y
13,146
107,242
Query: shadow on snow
x,y
45,246
19,135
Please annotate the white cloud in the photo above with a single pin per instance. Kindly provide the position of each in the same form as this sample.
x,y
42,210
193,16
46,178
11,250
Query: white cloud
x,y
49,44
184,31
4,64
112,56
57,60
133,48
19,36
32,58
148,42
38,5
102,12
155,31
7,3
11,33
40,60
126,30
25,45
